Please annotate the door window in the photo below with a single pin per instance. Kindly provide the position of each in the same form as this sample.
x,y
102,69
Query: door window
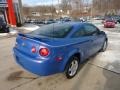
x,y
90,30
79,33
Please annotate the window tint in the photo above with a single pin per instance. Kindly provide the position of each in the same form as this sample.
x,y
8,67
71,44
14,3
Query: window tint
x,y
90,29
53,31
80,32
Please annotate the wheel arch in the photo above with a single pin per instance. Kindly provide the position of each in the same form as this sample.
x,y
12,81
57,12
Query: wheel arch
x,y
78,54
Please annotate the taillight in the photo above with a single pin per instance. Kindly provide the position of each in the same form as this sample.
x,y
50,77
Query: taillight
x,y
44,51
113,23
33,50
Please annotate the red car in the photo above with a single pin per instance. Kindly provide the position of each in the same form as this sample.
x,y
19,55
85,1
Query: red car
x,y
109,24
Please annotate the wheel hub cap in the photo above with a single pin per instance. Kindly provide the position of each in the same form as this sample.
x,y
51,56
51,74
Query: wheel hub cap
x,y
73,67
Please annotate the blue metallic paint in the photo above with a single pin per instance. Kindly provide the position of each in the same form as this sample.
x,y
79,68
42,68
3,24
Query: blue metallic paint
x,y
65,48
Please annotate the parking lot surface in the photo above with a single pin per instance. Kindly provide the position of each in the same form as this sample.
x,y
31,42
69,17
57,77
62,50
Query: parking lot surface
x,y
100,72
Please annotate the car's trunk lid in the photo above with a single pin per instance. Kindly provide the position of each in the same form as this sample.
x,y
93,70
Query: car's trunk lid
x,y
25,43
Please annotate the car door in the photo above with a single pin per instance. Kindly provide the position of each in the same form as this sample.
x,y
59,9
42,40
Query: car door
x,y
83,42
96,39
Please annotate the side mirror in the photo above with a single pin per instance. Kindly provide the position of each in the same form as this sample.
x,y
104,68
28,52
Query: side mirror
x,y
101,32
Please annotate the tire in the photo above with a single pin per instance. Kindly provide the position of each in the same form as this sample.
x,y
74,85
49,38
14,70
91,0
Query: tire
x,y
104,47
72,67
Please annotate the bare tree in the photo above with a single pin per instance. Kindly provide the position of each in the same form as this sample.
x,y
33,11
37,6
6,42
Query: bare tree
x,y
106,6
44,12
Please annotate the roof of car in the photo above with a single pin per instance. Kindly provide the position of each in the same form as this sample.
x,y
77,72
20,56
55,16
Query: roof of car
x,y
69,23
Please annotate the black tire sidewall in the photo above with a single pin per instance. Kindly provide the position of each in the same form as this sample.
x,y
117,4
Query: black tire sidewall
x,y
103,46
68,65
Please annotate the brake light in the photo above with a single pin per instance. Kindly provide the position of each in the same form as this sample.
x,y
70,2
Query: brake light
x,y
44,51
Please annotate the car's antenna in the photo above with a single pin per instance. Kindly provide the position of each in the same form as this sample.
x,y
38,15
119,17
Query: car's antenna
x,y
53,17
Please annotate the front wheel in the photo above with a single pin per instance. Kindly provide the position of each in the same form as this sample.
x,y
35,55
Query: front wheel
x,y
72,67
104,47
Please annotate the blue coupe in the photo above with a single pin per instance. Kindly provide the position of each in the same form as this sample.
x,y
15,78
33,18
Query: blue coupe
x,y
57,48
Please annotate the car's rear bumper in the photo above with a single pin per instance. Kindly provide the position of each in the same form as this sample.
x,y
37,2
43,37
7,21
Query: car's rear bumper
x,y
39,67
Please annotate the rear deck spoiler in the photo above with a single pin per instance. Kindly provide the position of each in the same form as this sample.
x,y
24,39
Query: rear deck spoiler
x,y
35,37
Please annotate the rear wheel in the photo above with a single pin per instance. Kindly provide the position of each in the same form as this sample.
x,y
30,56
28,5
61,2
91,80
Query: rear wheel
x,y
72,67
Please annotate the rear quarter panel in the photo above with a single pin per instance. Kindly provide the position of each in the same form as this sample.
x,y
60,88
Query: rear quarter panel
x,y
69,49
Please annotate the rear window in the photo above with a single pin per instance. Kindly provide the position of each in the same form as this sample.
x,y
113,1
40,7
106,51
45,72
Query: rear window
x,y
109,21
53,31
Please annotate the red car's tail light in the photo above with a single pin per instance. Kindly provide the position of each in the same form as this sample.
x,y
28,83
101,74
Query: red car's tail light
x,y
44,51
33,50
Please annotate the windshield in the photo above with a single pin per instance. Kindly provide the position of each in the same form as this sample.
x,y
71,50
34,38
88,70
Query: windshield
x,y
53,31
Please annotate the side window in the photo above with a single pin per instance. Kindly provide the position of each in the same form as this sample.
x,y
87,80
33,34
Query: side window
x,y
90,29
79,33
